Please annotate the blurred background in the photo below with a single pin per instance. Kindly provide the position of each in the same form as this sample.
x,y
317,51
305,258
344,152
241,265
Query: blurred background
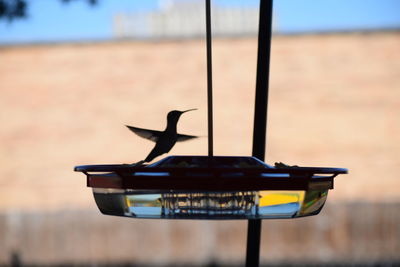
x,y
74,72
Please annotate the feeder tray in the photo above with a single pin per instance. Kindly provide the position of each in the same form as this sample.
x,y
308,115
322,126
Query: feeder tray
x,y
201,187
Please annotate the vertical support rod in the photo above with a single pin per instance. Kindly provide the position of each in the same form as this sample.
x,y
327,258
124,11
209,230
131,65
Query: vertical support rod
x,y
253,241
262,82
209,79
260,118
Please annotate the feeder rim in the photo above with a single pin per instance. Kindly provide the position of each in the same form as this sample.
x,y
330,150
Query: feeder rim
x,y
209,179
127,168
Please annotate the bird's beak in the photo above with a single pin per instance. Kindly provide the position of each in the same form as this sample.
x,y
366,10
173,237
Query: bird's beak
x,y
189,110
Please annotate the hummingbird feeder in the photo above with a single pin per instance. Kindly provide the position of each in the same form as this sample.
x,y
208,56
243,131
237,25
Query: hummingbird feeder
x,y
216,187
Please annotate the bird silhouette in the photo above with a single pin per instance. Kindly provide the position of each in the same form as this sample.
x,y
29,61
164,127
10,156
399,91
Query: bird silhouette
x,y
164,140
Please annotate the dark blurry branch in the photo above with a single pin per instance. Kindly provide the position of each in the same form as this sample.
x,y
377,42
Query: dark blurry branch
x,y
12,9
18,9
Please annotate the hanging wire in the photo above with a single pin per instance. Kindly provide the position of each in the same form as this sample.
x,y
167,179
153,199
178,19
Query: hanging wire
x,y
209,80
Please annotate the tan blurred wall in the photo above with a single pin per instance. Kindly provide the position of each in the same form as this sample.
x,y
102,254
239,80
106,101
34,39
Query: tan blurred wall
x,y
334,101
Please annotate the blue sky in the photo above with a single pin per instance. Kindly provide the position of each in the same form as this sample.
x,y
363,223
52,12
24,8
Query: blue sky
x,y
52,20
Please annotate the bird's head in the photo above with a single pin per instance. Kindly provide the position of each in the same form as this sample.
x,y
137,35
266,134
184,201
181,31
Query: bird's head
x,y
174,115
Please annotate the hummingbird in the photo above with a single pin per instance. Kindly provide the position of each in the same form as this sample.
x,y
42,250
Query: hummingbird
x,y
164,140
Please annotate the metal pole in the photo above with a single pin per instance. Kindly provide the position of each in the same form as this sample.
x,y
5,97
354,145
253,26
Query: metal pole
x,y
260,118
209,79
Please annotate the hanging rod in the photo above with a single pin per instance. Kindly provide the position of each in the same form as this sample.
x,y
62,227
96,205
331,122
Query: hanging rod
x,y
209,80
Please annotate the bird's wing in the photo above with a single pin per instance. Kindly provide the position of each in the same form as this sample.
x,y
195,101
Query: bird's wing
x,y
184,137
145,133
